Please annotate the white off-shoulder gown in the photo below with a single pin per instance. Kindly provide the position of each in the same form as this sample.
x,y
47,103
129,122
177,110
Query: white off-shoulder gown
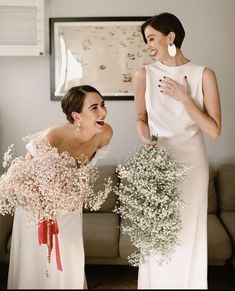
x,y
179,133
28,260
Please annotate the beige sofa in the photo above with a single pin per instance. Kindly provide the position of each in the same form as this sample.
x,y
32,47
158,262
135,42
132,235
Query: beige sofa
x,y
105,244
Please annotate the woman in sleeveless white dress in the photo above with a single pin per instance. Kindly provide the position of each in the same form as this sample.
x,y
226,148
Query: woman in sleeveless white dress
x,y
178,110
28,260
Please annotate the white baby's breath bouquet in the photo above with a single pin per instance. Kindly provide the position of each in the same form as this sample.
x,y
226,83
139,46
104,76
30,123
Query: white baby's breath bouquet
x,y
149,202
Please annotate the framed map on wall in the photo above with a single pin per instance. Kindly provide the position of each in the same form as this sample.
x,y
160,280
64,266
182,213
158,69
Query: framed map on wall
x,y
103,52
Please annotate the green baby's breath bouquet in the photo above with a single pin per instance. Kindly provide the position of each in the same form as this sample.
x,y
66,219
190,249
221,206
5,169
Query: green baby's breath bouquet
x,y
150,203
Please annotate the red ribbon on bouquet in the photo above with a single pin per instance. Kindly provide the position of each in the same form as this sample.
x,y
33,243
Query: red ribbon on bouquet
x,y
46,230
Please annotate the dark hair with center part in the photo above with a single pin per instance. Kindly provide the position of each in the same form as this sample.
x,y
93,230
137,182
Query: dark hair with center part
x,y
165,23
73,100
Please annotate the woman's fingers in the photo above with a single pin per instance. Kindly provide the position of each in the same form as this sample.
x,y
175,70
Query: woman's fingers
x,y
172,88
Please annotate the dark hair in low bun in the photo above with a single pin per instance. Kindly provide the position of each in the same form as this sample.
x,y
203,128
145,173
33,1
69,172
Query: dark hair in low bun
x,y
73,100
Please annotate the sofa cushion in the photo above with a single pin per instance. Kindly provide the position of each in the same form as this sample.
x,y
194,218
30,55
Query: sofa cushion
x,y
105,172
9,244
126,248
219,243
226,187
6,223
212,197
101,234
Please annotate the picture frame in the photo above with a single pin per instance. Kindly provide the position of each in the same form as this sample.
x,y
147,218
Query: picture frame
x,y
103,52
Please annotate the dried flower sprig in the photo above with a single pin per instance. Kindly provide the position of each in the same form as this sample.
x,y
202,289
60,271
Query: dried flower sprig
x,y
149,202
8,156
49,184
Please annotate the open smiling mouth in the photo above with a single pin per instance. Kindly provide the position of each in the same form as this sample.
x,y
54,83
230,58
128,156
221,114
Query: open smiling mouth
x,y
153,52
100,122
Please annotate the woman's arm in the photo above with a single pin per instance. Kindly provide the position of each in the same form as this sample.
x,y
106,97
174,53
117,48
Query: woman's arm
x,y
212,125
141,114
208,121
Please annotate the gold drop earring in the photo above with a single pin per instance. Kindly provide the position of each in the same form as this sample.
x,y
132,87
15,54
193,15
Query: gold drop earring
x,y
77,126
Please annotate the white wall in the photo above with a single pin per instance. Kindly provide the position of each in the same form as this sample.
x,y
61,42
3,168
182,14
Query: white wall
x,y
25,105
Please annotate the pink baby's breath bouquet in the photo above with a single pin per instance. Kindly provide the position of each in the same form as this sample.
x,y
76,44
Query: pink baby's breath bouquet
x,y
49,184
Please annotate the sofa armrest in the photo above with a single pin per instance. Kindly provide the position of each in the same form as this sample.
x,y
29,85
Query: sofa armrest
x,y
228,219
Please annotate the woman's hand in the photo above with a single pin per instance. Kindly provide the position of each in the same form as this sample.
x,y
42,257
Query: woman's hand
x,y
208,118
148,141
179,92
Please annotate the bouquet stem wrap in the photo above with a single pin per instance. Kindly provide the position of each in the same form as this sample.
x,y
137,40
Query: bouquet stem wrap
x,y
46,230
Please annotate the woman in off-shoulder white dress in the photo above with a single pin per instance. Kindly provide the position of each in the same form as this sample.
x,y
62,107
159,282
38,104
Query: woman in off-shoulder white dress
x,y
85,134
178,101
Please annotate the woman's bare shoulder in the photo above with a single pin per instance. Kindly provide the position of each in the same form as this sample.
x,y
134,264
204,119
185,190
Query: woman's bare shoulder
x,y
55,135
105,136
108,131
208,74
140,73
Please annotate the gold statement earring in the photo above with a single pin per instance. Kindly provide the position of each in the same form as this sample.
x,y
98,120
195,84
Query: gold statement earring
x,y
171,49
77,126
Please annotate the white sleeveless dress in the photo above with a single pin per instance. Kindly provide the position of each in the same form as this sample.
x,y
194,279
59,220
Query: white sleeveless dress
x,y
28,264
179,133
